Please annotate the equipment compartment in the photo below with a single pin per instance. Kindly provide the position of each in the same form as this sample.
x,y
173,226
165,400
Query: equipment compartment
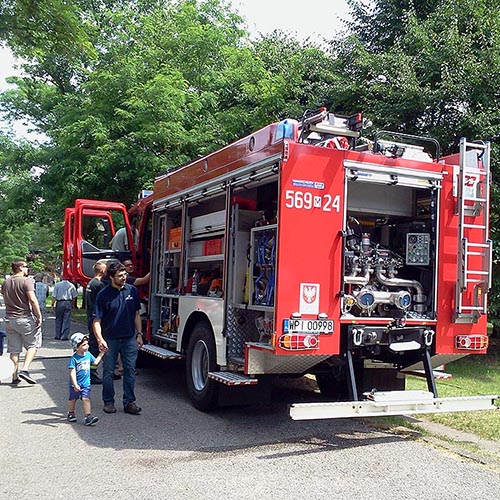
x,y
390,258
263,264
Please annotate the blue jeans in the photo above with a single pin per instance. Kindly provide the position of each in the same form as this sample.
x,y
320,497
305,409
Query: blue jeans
x,y
93,345
127,347
63,319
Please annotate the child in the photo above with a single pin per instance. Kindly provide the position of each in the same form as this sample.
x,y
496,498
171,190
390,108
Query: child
x,y
79,377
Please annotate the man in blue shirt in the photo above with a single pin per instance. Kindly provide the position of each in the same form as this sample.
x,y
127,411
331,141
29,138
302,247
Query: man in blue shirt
x,y
117,327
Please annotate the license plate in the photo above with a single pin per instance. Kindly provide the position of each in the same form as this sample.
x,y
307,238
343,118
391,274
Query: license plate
x,y
308,326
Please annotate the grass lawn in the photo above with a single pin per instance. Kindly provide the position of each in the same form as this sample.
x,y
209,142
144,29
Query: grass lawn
x,y
472,376
79,315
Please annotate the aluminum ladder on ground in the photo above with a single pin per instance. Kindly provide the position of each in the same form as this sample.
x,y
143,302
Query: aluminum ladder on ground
x,y
472,182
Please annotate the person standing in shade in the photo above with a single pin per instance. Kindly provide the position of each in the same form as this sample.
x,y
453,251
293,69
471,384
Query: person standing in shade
x,y
94,286
117,327
119,242
23,319
131,279
79,377
63,296
42,292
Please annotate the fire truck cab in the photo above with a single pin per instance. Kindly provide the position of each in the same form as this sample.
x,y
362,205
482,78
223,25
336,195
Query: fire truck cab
x,y
303,248
89,229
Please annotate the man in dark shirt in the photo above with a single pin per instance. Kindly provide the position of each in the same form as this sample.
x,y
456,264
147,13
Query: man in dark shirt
x,y
117,327
94,286
131,279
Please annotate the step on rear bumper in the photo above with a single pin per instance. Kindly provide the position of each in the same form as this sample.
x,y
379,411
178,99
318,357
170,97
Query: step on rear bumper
x,y
395,403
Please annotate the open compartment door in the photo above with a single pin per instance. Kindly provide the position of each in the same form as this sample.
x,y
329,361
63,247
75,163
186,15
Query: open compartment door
x,y
89,230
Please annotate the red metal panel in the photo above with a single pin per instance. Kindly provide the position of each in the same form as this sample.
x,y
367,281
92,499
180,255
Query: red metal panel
x,y
93,208
68,261
141,213
309,242
446,329
251,149
72,240
370,158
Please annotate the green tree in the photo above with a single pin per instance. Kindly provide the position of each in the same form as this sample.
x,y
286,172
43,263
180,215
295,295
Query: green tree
x,y
155,95
144,86
24,230
439,62
301,77
428,67
136,88
37,28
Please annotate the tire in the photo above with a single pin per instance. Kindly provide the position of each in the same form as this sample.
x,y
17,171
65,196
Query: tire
x,y
383,379
335,386
201,359
332,387
143,360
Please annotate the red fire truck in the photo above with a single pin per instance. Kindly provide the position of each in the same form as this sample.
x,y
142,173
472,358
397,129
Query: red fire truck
x,y
306,249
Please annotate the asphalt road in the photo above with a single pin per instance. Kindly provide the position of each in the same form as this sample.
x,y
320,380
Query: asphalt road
x,y
173,451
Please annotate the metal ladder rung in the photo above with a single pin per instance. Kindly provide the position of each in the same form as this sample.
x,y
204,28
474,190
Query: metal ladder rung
x,y
473,213
475,281
472,170
470,198
479,245
475,145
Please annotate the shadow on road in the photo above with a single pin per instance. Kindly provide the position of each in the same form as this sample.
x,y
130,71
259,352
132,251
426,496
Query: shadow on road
x,y
170,422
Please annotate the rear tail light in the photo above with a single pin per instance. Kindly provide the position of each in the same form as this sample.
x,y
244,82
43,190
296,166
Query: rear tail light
x,y
298,341
471,342
355,122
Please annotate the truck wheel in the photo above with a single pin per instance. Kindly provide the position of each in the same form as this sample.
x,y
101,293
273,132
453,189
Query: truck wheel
x,y
383,379
330,386
143,360
201,356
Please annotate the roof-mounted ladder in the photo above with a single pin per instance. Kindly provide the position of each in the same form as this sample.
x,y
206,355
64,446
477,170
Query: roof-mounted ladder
x,y
475,248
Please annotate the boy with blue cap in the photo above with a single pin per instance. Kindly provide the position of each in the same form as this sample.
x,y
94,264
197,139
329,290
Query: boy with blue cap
x,y
79,377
